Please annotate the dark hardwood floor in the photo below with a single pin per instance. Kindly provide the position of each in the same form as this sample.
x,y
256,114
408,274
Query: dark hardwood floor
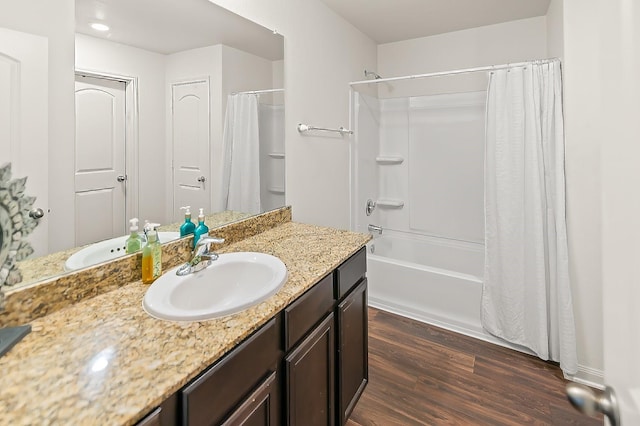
x,y
424,375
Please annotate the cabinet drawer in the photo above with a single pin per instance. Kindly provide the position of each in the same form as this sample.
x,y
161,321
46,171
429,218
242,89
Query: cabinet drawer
x,y
212,396
304,313
350,272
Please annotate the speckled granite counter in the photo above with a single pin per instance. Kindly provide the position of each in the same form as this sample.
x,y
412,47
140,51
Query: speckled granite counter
x,y
105,361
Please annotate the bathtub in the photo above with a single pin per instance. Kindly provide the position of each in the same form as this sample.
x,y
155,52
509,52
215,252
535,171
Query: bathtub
x,y
433,280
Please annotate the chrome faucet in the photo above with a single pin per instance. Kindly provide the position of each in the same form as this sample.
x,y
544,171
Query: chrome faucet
x,y
375,228
202,256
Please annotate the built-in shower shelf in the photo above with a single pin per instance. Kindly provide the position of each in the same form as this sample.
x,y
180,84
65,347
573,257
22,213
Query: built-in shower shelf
x,y
276,154
389,203
389,159
276,189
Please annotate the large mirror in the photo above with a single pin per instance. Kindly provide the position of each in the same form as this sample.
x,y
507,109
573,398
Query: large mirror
x,y
177,103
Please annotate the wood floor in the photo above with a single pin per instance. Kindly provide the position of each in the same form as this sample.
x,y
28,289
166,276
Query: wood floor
x,y
424,375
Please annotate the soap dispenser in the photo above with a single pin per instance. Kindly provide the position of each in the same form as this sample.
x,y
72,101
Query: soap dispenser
x,y
151,254
188,227
201,229
134,242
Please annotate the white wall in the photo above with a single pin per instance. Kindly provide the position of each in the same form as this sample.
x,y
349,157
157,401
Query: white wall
x,y
513,41
100,55
555,29
323,53
583,172
56,21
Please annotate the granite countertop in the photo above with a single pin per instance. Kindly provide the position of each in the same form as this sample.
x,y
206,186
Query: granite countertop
x,y
105,361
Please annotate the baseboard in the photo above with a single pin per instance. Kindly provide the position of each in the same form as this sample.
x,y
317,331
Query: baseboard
x,y
585,375
588,376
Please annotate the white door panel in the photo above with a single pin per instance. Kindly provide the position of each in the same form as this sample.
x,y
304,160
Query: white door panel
x,y
618,59
24,119
95,207
620,67
190,124
99,159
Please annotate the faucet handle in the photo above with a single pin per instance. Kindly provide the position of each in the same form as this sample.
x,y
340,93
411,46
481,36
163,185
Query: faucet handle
x,y
209,240
202,246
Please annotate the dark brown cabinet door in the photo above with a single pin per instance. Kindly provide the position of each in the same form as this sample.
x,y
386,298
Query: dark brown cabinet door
x,y
310,371
259,408
353,366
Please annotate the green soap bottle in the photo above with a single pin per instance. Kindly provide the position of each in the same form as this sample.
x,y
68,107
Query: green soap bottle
x,y
133,244
201,229
151,255
188,227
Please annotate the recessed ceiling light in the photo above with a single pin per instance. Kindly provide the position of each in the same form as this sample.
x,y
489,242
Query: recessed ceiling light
x,y
99,27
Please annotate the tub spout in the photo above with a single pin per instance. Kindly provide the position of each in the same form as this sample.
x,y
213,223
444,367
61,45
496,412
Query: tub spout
x,y
375,228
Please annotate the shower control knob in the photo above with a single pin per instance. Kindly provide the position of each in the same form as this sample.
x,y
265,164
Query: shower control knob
x,y
36,213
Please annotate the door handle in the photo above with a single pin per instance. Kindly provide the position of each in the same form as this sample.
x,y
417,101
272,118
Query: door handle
x,y
121,178
201,179
36,213
585,400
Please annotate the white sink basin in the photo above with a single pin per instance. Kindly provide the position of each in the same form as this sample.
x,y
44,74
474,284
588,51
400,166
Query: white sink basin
x,y
106,250
234,282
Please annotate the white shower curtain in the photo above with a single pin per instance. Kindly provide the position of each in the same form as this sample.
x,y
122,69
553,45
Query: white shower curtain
x,y
241,154
526,296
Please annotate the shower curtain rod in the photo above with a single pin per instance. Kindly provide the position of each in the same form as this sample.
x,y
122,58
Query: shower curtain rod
x,y
257,92
453,72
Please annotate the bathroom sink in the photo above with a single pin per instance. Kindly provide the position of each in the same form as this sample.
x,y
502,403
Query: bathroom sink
x,y
106,250
232,283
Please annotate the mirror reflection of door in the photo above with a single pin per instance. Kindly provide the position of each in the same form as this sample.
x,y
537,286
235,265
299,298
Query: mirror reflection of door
x,y
100,179
190,124
24,119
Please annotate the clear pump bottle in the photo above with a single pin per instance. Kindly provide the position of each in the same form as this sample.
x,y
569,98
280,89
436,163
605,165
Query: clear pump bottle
x,y
151,255
133,244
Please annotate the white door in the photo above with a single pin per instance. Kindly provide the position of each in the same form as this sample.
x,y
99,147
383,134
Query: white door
x,y
620,65
100,179
190,140
24,119
618,56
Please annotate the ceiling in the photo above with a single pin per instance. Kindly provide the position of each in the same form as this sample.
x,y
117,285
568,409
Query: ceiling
x,y
387,21
169,26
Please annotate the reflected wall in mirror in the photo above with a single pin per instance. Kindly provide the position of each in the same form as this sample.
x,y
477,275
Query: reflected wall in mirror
x,y
151,97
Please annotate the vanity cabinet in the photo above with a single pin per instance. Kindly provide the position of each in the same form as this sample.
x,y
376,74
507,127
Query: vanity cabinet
x,y
307,366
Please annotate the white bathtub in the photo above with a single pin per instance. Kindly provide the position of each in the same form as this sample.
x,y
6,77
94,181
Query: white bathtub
x,y
432,280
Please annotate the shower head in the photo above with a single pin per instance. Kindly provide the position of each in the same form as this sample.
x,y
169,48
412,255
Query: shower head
x,y
373,74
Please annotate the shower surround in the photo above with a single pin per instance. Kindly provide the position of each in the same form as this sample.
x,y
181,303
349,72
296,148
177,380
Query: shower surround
x,y
420,159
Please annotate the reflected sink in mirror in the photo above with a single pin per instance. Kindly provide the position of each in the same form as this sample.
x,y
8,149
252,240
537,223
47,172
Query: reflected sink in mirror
x,y
232,283
107,250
